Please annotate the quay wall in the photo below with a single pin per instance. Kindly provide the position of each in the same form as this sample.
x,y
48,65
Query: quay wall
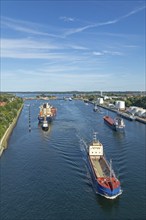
x,y
142,120
5,138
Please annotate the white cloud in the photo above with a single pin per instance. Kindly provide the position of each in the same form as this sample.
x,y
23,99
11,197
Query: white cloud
x,y
67,19
112,52
33,54
132,12
64,60
97,53
34,28
27,43
43,49
104,52
78,30
29,27
78,47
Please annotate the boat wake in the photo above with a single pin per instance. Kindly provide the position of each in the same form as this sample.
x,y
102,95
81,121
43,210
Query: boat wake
x,y
110,197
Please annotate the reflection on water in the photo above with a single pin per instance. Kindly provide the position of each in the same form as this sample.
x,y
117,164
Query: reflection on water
x,y
109,206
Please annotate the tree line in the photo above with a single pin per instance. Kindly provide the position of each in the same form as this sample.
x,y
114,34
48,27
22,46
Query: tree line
x,y
8,112
139,101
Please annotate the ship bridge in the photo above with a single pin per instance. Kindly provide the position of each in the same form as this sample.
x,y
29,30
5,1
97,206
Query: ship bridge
x,y
96,149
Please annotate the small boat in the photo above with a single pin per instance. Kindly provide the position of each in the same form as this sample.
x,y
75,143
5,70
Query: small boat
x,y
104,178
95,109
45,125
129,117
116,124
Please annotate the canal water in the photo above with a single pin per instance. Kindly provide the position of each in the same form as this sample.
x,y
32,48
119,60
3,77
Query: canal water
x,y
44,175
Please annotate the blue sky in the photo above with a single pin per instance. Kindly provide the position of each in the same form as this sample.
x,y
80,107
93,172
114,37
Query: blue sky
x,y
72,45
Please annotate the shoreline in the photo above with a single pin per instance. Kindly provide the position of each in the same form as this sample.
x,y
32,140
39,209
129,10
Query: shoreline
x,y
139,119
5,138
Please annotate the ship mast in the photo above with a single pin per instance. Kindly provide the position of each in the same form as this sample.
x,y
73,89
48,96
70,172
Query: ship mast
x,y
94,137
110,168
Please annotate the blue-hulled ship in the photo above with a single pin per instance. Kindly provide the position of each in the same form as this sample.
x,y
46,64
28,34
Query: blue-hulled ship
x,y
104,179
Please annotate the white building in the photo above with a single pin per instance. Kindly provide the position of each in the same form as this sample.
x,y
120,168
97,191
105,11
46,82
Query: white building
x,y
144,115
106,97
111,105
140,112
100,101
137,111
120,105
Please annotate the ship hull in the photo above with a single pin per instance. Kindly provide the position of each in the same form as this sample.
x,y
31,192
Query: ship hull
x,y
103,191
48,118
111,125
108,193
110,122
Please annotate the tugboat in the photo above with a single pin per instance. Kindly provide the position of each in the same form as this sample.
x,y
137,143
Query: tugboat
x,y
45,125
104,179
116,124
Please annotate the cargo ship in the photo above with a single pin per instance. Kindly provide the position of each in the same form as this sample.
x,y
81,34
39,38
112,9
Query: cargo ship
x,y
104,179
47,112
116,124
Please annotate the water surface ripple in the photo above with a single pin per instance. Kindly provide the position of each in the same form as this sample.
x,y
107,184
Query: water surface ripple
x,y
44,174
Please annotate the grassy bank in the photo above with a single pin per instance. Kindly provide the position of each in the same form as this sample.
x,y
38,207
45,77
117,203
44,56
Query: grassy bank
x,y
5,138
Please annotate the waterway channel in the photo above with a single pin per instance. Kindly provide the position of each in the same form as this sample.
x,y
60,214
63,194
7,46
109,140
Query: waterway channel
x,y
44,174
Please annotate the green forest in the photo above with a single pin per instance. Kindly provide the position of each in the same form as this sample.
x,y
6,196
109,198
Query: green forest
x,y
139,101
9,111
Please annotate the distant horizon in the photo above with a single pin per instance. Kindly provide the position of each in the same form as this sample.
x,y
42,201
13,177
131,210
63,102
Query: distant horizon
x,y
98,91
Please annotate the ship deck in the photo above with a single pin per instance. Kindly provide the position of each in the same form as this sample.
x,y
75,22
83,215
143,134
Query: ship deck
x,y
100,167
97,167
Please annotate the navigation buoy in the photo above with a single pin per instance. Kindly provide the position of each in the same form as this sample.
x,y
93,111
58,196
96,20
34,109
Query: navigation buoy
x,y
29,128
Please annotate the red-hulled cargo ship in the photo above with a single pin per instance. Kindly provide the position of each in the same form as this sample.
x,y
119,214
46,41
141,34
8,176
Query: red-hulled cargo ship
x,y
116,123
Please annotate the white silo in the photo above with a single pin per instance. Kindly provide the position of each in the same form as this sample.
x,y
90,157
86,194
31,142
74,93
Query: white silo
x,y
100,101
120,105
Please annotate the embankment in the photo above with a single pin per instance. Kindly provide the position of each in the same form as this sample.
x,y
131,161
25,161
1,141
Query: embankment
x,y
5,138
